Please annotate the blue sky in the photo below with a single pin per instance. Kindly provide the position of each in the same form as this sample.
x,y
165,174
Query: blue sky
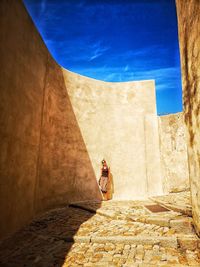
x,y
116,41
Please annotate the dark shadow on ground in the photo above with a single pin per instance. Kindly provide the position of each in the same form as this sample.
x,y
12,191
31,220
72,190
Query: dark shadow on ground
x,y
46,241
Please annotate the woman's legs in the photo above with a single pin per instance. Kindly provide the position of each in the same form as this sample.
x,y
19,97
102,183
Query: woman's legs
x,y
103,184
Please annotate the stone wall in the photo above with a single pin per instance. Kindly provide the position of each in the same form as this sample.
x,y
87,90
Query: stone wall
x,y
173,151
43,158
118,122
188,13
65,171
23,60
56,126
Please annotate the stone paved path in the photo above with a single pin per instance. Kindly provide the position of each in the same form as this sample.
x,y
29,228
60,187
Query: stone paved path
x,y
177,201
113,233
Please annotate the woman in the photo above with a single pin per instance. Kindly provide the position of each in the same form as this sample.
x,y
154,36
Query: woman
x,y
104,179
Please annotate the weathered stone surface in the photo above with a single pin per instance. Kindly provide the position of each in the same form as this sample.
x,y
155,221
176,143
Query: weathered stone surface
x,y
189,38
188,242
182,225
23,59
65,172
46,242
43,158
153,157
158,221
180,202
127,114
173,150
82,239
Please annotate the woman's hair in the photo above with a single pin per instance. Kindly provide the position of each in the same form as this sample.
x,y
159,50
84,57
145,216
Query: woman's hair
x,y
103,161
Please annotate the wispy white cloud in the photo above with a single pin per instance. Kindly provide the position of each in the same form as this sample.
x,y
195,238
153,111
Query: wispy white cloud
x,y
97,50
166,78
81,33
74,54
126,68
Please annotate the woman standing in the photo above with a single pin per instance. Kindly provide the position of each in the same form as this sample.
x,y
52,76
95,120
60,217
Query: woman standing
x,y
105,181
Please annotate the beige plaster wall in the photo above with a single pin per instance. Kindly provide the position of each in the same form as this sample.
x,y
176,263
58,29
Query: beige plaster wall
x,y
65,171
173,151
188,12
118,122
43,159
23,60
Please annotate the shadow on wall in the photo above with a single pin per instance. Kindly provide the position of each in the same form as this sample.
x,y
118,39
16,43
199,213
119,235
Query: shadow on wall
x,y
189,39
188,35
190,58
65,174
192,108
110,188
44,162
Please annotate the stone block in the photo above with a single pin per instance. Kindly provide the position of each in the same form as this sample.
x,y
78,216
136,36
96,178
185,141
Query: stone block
x,y
169,242
188,242
183,226
158,221
82,239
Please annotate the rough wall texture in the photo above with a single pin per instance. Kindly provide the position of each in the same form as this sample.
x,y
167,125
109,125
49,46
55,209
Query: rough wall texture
x,y
188,12
65,172
43,158
118,122
173,151
23,61
56,126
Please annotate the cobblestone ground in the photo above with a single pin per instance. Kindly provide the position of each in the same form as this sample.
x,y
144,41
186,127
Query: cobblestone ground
x,y
121,233
109,254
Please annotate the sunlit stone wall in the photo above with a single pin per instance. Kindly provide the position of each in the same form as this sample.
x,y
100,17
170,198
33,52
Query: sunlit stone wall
x,y
173,151
118,122
188,12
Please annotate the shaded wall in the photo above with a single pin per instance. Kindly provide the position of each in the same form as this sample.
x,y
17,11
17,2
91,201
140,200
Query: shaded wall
x,y
118,122
43,158
65,172
173,151
188,12
23,60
